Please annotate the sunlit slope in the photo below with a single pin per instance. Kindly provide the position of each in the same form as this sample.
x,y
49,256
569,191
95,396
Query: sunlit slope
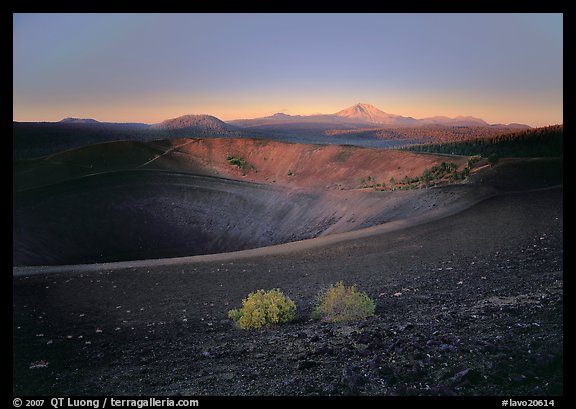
x,y
261,161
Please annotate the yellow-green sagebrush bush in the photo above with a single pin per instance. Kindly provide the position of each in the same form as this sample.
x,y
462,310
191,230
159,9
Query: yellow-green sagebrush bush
x,y
340,303
263,308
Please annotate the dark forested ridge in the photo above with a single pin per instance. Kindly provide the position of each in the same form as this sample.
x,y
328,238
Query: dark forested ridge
x,y
36,139
539,142
425,133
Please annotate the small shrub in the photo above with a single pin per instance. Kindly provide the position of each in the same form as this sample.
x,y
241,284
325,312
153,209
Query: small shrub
x,y
263,308
234,161
493,159
474,159
340,303
427,177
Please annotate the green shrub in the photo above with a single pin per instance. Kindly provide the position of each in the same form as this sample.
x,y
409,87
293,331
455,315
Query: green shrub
x,y
234,161
493,159
427,177
340,303
473,160
263,308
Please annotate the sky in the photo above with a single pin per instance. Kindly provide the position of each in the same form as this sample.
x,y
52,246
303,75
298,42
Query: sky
x,y
147,68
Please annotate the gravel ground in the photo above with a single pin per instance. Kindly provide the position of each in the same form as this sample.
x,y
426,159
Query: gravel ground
x,y
471,304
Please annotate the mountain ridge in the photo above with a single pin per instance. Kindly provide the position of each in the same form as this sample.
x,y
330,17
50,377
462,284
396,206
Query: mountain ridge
x,y
365,114
355,116
71,120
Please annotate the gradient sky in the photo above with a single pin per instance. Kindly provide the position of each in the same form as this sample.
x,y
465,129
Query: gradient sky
x,y
149,67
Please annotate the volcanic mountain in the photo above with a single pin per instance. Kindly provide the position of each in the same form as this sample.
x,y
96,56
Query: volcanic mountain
x,y
360,124
204,123
367,113
36,139
79,121
357,116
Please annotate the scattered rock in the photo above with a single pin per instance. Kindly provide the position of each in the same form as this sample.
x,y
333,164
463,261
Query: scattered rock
x,y
302,365
331,389
446,348
467,375
443,390
374,363
518,378
363,338
406,327
351,378
39,364
323,349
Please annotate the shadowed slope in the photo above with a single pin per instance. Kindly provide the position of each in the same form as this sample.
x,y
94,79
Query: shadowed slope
x,y
457,296
261,161
142,214
182,197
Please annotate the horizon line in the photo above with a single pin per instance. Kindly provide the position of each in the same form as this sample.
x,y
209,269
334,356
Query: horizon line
x,y
243,119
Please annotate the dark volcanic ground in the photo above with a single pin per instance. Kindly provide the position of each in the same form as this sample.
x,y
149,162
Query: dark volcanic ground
x,y
471,304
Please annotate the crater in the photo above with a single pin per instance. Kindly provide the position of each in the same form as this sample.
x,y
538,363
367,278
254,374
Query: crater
x,y
173,201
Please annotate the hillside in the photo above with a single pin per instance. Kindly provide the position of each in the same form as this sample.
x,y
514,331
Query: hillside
x,y
469,304
37,139
182,197
421,134
201,123
360,125
254,160
540,142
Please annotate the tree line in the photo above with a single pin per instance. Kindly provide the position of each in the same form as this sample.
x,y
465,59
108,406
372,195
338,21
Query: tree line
x,y
538,142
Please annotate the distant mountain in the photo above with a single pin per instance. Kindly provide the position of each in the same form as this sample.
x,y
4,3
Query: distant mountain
x,y
203,123
280,116
367,113
357,116
458,121
83,122
512,125
36,139
360,124
79,121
